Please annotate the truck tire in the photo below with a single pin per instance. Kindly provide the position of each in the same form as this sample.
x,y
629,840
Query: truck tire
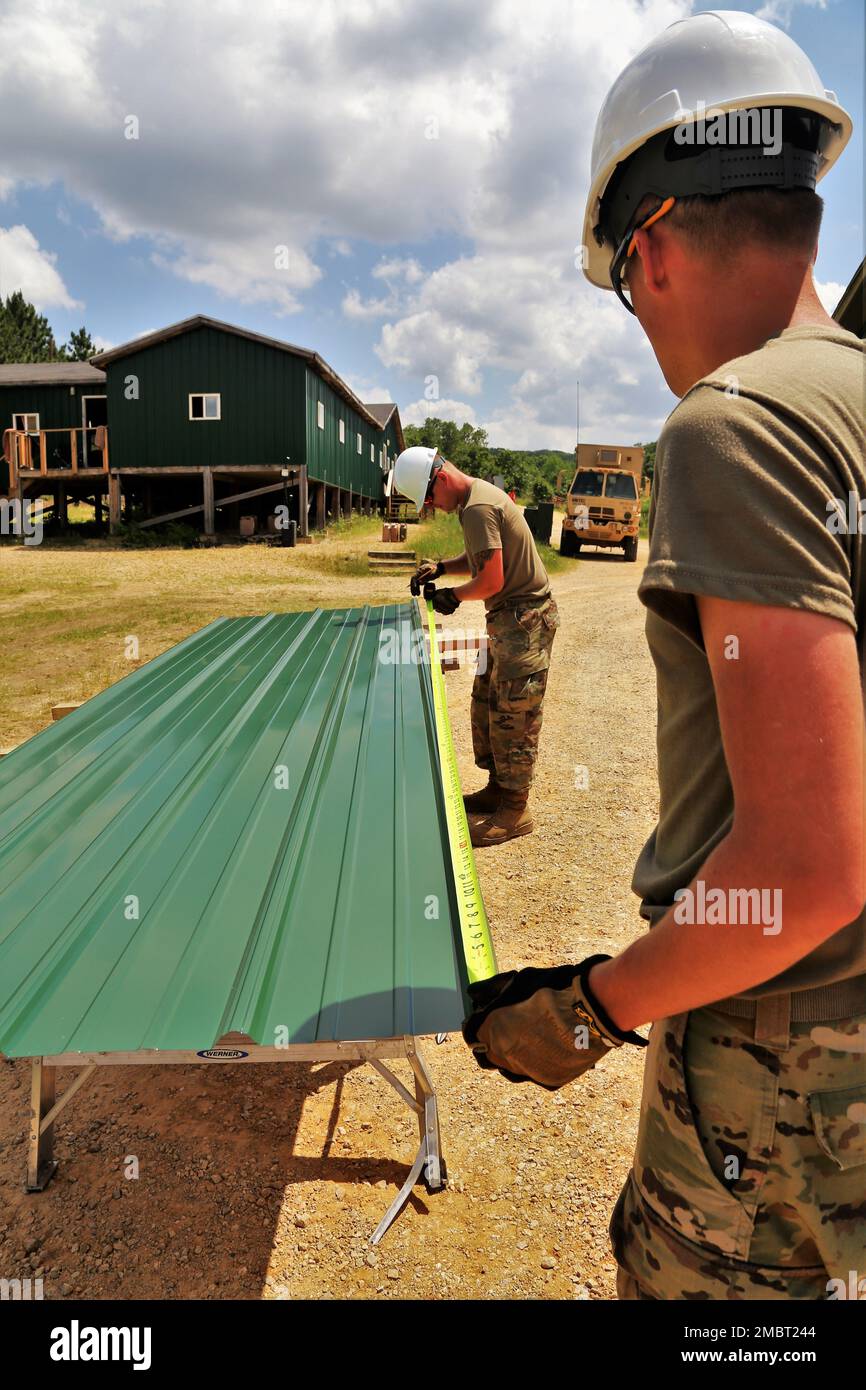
x,y
629,546
567,543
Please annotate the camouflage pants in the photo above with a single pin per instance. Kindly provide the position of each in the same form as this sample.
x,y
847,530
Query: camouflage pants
x,y
749,1177
508,697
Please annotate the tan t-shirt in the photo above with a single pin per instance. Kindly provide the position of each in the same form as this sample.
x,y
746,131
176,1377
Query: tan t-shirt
x,y
491,521
739,511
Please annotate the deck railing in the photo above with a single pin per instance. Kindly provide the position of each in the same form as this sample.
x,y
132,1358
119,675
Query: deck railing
x,y
32,451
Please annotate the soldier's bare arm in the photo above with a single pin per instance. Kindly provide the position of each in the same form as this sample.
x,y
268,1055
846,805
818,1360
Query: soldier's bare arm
x,y
459,564
791,715
489,577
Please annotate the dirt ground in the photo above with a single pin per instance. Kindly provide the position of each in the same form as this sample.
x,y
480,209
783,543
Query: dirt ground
x,y
267,1182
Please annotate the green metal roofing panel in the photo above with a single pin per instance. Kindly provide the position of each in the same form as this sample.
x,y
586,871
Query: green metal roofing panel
x,y
246,835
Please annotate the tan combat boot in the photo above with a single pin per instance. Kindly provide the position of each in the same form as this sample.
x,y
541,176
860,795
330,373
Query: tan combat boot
x,y
485,801
510,819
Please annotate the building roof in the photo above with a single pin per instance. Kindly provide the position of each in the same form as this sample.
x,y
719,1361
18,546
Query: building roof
x,y
174,330
242,836
850,312
383,410
50,374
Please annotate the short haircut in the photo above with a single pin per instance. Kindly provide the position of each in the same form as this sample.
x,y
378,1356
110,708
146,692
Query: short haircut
x,y
775,219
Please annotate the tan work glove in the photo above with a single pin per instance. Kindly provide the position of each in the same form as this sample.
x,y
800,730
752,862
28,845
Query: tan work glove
x,y
541,1025
427,571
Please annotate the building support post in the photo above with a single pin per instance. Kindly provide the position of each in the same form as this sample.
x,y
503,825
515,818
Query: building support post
x,y
321,489
350,504
61,508
303,503
207,482
114,497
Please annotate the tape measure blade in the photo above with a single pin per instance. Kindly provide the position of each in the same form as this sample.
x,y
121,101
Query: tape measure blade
x,y
474,929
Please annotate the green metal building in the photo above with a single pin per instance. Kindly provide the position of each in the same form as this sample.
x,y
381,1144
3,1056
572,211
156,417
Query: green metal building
x,y
207,398
55,397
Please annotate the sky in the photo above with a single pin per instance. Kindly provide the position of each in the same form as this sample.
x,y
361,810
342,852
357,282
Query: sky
x,y
396,184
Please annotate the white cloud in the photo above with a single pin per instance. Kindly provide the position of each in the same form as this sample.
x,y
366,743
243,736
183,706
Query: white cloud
x,y
301,130
781,11
354,307
25,266
829,293
419,411
408,270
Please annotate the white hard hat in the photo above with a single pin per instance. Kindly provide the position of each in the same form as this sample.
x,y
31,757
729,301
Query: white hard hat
x,y
412,472
719,60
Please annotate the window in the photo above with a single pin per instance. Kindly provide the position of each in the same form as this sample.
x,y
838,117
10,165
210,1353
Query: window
x,y
23,421
320,414
622,485
607,455
342,431
359,444
588,483
204,405
372,453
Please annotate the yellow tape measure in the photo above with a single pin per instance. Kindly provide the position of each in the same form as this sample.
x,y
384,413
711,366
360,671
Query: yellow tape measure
x,y
474,931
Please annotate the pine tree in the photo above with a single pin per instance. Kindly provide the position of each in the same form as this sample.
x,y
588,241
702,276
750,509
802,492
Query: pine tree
x,y
25,334
80,347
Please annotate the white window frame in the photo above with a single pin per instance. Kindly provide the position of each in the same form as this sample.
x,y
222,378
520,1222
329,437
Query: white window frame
x,y
359,444
342,431
205,396
372,453
25,415
320,414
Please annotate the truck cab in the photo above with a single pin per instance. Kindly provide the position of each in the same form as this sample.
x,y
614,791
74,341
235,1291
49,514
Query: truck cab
x,y
603,504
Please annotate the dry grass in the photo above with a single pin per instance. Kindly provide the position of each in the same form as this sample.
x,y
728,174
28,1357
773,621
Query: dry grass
x,y
68,611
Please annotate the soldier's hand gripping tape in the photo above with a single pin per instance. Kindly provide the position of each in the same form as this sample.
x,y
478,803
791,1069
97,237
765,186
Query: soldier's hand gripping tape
x,y
544,1026
443,600
426,571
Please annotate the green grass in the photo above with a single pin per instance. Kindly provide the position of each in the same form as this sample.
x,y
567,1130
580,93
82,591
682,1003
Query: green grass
x,y
442,538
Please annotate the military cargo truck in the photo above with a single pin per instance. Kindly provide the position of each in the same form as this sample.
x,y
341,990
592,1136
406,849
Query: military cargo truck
x,y
603,503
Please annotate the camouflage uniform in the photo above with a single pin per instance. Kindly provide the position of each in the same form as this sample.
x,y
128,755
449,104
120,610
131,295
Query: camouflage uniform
x,y
749,1177
508,697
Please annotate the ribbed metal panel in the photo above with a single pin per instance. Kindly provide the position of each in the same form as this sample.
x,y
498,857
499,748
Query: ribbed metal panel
x,y
160,887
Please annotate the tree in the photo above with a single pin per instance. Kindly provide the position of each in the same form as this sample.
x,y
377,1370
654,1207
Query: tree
x,y
649,459
80,347
465,445
25,334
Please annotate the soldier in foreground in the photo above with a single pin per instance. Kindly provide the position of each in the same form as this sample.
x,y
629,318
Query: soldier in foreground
x,y
507,574
749,1178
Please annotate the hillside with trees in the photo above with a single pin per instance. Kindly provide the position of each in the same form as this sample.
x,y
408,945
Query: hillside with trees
x,y
534,474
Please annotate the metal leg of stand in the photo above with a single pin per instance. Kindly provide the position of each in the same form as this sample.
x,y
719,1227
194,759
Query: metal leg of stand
x,y
428,1161
41,1166
428,1122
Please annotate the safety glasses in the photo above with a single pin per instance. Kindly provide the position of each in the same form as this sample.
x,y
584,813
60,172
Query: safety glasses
x,y
625,249
428,496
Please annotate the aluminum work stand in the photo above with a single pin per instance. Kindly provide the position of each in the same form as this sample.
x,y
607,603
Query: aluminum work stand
x,y
234,1050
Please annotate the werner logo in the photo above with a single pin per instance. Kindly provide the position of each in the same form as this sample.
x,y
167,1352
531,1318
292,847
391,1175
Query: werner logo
x,y
77,1343
222,1054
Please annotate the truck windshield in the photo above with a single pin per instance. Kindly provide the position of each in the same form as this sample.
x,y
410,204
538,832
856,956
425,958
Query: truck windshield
x,y
588,483
622,485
